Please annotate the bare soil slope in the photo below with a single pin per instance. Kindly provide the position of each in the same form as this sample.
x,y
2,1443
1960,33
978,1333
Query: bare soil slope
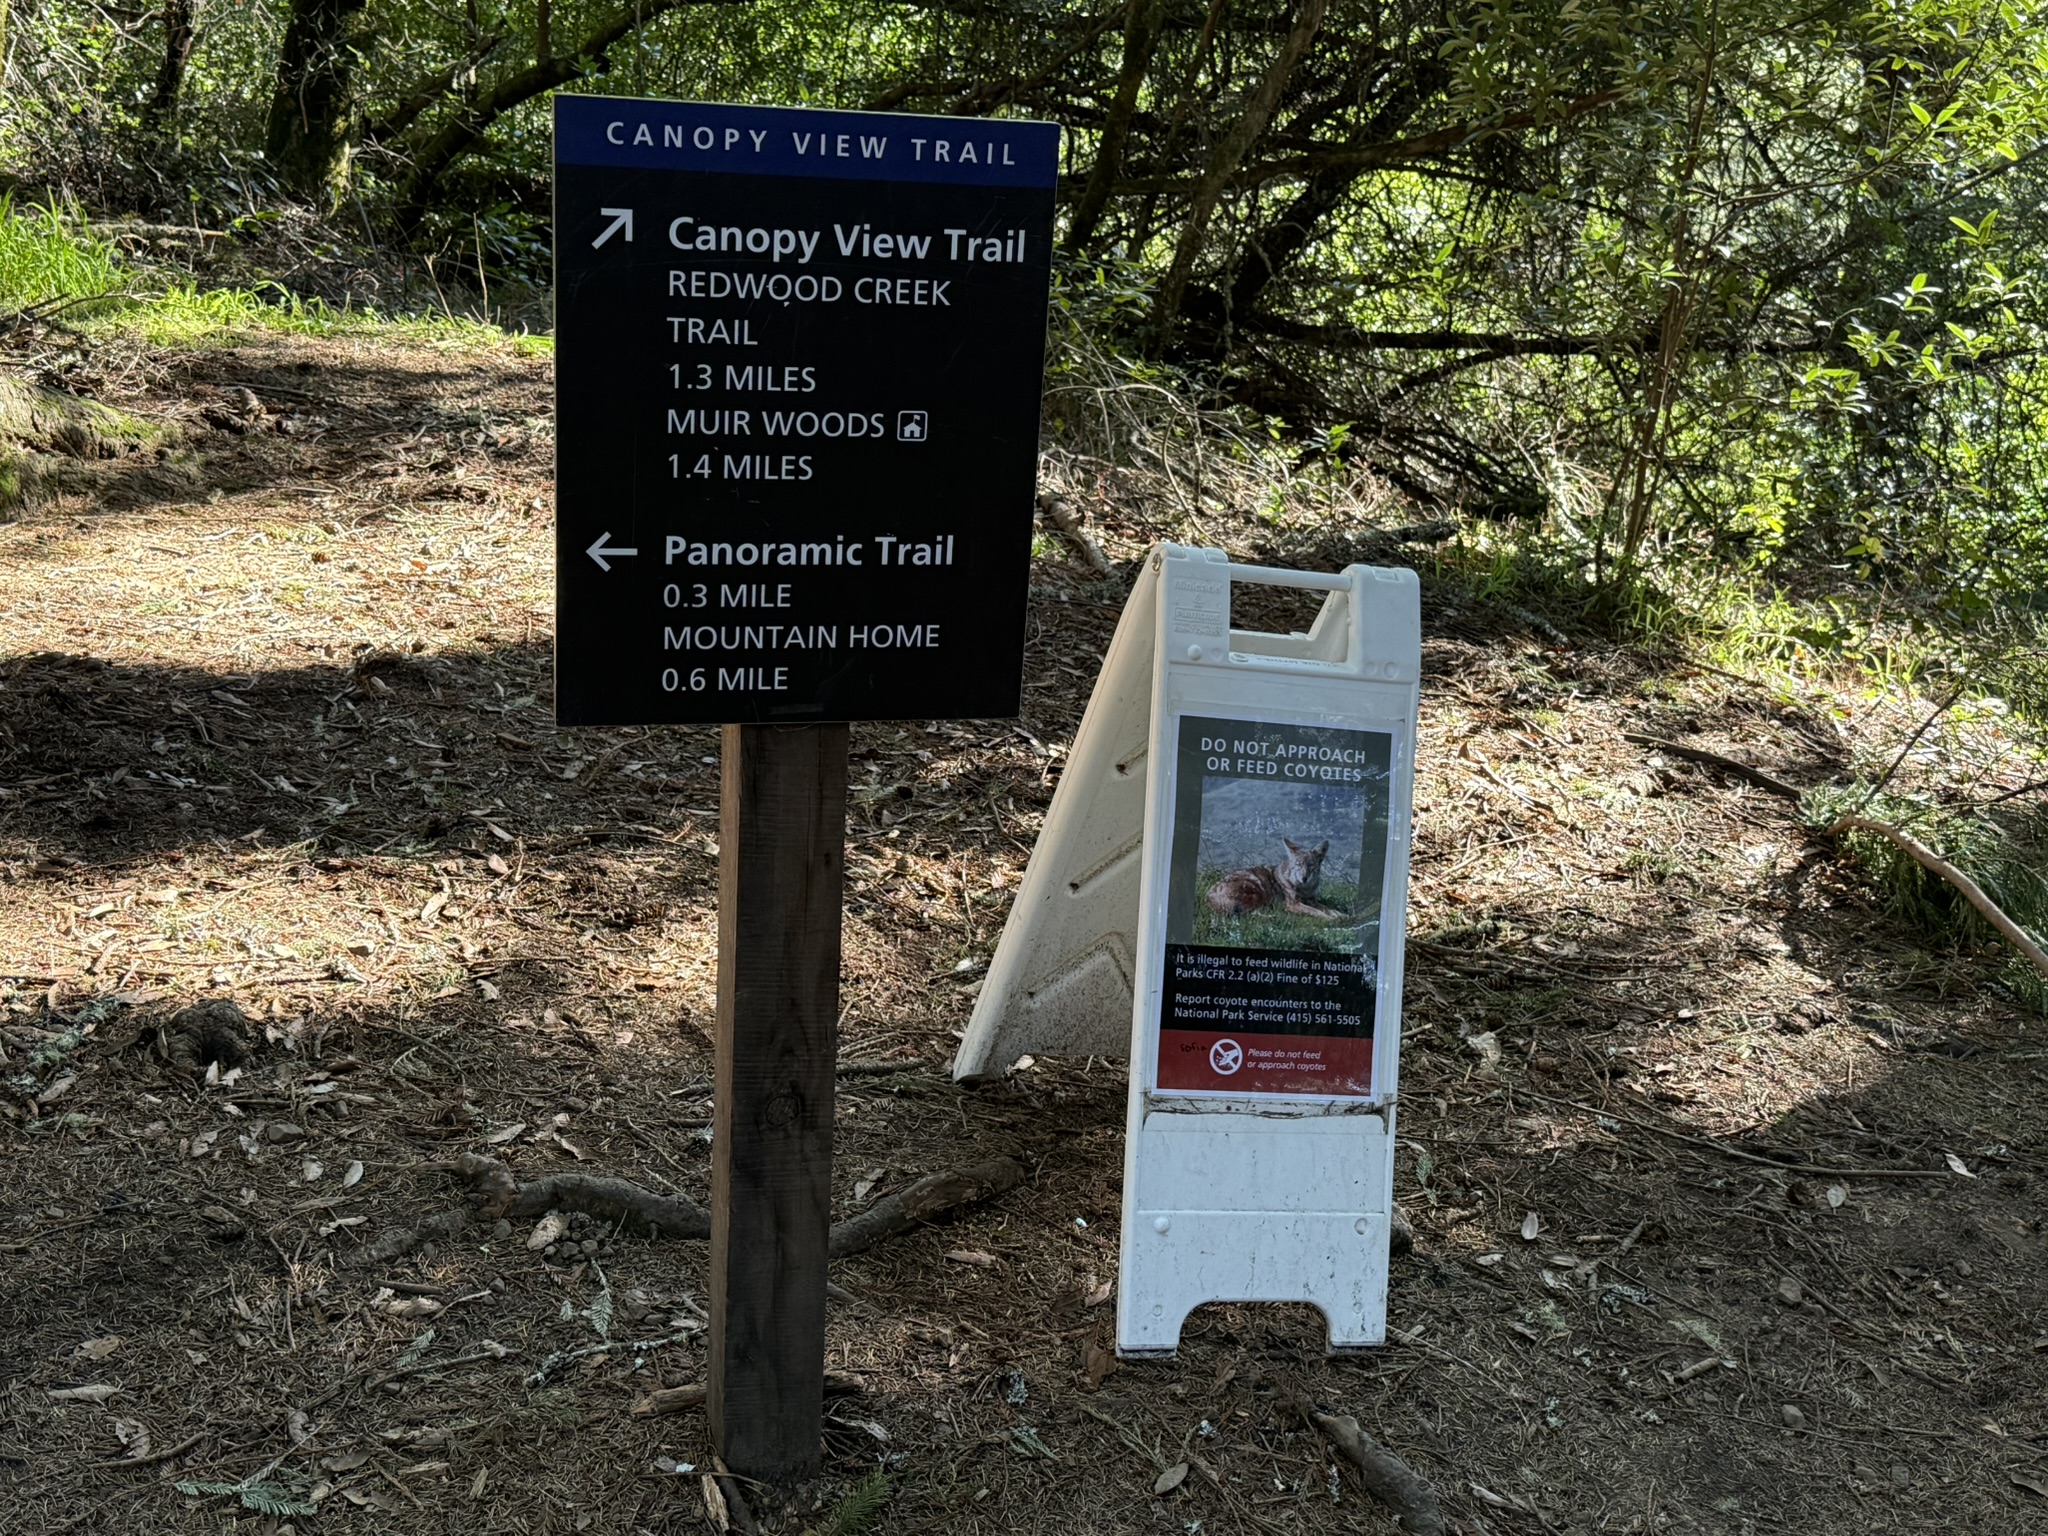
x,y
1728,1196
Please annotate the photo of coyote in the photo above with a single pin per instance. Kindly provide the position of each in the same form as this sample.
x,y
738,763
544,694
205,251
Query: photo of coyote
x,y
1280,838
1291,884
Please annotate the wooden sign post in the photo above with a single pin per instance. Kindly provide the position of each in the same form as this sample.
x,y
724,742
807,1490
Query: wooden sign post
x,y
781,862
798,361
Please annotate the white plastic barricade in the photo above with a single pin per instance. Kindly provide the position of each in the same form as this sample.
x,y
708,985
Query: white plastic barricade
x,y
1254,918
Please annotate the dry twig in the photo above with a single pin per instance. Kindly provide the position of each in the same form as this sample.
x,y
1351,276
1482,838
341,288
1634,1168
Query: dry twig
x,y
1971,891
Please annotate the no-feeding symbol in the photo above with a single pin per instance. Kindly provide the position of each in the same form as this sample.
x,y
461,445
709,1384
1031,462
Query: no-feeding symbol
x,y
1225,1057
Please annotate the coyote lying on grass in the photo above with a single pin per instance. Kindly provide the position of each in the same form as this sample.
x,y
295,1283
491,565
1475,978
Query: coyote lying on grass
x,y
1290,884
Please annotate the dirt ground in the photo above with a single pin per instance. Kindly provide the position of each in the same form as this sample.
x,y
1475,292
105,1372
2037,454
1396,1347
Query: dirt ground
x,y
1727,1192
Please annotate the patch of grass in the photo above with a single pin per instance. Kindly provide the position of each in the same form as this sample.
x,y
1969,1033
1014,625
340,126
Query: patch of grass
x,y
46,261
1277,928
187,315
42,262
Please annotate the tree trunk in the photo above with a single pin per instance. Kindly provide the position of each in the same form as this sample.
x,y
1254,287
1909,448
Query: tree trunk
x,y
179,30
312,114
1142,26
1223,164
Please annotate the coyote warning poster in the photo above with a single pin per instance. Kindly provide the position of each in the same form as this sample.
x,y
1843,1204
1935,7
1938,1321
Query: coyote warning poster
x,y
1278,870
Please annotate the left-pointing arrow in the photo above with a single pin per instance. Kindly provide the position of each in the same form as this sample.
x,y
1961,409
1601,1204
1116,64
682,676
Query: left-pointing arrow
x,y
601,549
621,219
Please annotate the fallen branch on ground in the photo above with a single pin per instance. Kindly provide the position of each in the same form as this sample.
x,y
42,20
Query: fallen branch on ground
x,y
928,1197
676,1399
1062,517
1971,891
642,1211
1708,759
1404,1491
1918,851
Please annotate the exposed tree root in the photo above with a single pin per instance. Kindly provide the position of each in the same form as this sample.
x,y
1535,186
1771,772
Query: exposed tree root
x,y
678,1399
397,1242
928,1197
1404,1491
54,444
641,1211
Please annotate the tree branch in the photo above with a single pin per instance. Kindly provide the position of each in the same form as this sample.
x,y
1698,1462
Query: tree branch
x,y
455,136
1228,156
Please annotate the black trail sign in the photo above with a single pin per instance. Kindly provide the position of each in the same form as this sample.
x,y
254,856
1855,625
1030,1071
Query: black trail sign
x,y
799,357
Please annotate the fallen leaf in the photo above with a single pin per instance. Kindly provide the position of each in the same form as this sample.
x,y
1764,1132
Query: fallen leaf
x,y
1532,1224
497,865
99,1392
353,1176
1792,1417
1171,1478
134,1437
1838,1196
58,1089
433,907
487,990
550,1228
973,1256
1488,1260
203,1142
2033,1482
345,1461
506,1133
311,1170
1790,1292
1957,1165
1102,1293
568,1146
99,1349
1100,1363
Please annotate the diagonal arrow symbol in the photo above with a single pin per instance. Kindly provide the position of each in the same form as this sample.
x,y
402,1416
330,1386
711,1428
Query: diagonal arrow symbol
x,y
601,548
621,218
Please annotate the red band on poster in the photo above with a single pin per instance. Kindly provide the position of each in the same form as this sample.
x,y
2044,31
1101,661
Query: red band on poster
x,y
1201,1061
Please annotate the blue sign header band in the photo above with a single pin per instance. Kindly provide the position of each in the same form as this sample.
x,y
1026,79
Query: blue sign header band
x,y
649,135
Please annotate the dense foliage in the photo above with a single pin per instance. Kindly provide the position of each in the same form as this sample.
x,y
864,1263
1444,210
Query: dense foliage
x,y
1712,282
